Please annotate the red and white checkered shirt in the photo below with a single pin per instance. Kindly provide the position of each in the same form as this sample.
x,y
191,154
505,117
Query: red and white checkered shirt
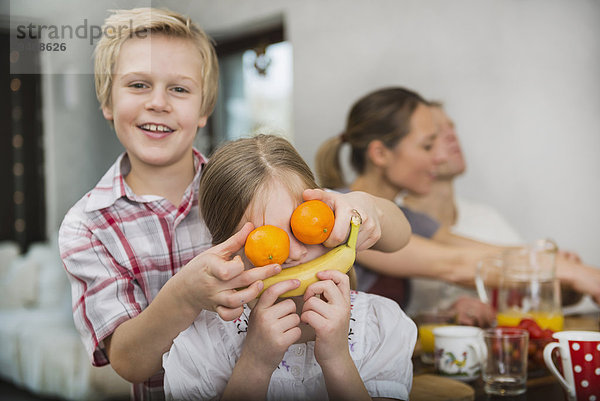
x,y
119,249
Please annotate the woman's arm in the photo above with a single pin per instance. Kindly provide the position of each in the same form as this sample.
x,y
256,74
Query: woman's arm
x,y
445,236
426,258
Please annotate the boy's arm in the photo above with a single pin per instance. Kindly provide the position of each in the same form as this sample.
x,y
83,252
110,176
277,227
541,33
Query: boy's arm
x,y
384,226
208,281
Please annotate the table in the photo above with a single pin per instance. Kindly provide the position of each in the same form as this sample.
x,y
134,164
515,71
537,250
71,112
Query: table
x,y
427,386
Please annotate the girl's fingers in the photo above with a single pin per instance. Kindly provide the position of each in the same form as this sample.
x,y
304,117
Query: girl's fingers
x,y
288,322
292,335
272,293
229,314
341,280
281,309
317,305
332,290
314,319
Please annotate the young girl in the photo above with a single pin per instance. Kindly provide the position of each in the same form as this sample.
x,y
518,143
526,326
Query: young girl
x,y
331,343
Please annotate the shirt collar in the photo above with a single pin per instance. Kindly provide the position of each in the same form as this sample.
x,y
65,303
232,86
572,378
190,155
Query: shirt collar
x,y
112,185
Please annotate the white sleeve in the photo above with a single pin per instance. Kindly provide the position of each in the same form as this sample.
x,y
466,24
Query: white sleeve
x,y
386,368
199,363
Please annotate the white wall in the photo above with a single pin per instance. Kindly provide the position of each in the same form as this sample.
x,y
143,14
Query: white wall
x,y
520,78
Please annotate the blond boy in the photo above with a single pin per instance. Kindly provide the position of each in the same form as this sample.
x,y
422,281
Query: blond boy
x,y
134,247
156,79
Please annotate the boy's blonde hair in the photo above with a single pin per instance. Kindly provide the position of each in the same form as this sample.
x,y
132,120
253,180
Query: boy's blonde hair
x,y
125,24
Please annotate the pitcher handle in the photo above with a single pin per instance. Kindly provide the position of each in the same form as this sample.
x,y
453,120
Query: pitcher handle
x,y
550,364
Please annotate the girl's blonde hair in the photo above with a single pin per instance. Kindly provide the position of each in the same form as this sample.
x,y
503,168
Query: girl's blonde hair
x,y
140,22
381,115
237,172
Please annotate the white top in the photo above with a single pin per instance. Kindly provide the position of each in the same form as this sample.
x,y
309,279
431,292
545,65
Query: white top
x,y
477,221
484,223
381,341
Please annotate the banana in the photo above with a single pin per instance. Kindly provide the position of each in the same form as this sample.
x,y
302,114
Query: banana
x,y
339,258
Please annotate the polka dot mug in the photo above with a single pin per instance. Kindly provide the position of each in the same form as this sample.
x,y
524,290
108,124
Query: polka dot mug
x,y
580,357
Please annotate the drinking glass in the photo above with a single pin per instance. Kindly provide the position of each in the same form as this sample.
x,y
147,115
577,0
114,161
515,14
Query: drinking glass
x,y
505,367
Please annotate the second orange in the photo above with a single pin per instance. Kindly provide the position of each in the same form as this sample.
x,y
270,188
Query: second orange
x,y
312,222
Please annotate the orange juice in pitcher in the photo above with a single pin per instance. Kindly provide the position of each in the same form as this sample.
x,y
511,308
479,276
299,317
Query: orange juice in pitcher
x,y
546,320
526,284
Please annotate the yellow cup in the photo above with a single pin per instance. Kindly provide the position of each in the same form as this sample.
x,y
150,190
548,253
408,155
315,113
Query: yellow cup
x,y
426,322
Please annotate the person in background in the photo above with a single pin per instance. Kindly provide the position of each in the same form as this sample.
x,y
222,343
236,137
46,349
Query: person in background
x,y
330,343
392,135
461,216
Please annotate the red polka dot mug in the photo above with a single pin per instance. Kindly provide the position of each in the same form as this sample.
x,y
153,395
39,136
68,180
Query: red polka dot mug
x,y
580,358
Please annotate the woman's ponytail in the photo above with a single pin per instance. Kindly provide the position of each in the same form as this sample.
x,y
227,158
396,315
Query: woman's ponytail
x,y
327,164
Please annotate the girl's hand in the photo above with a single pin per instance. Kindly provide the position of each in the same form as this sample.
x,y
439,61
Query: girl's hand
x,y
343,206
272,328
211,280
329,316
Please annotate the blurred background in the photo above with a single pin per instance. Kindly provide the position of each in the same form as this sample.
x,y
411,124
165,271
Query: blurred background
x,y
519,77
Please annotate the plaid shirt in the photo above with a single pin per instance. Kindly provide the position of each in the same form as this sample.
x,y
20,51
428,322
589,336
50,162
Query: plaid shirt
x,y
119,249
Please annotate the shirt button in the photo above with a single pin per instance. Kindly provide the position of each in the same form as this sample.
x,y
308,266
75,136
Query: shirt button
x,y
295,371
300,350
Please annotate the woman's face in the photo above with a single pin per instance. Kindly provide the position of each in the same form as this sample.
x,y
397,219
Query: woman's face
x,y
274,205
411,164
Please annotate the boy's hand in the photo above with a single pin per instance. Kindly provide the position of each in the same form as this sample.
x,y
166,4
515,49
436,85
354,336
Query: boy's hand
x,y
343,206
329,315
211,280
272,328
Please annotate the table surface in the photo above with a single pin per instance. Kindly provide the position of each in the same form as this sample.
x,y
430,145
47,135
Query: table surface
x,y
543,387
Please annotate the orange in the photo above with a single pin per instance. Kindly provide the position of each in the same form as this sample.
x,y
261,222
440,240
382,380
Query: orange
x,y
312,222
267,244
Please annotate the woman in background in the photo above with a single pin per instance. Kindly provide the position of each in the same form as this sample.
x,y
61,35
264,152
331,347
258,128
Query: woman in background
x,y
392,135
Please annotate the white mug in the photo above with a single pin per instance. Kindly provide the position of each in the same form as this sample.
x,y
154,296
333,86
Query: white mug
x,y
580,357
459,351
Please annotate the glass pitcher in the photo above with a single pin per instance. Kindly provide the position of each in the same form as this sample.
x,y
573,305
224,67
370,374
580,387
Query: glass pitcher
x,y
521,283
